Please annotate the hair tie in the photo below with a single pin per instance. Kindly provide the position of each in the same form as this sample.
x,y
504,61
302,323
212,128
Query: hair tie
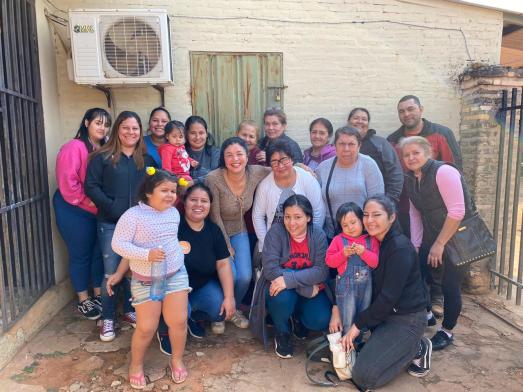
x,y
150,170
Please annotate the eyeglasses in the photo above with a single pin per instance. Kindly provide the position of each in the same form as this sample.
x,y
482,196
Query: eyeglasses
x,y
282,161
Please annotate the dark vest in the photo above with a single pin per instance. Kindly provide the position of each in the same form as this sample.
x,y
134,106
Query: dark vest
x,y
426,198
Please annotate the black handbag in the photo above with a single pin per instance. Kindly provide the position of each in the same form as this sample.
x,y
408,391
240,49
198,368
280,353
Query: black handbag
x,y
471,242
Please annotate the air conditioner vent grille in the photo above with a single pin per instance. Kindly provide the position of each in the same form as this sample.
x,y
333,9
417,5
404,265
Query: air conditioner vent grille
x,y
131,46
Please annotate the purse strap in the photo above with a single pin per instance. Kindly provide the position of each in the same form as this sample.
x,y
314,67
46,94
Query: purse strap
x,y
329,178
322,343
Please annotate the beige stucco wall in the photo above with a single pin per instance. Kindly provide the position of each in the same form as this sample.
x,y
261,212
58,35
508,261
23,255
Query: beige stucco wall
x,y
330,64
52,121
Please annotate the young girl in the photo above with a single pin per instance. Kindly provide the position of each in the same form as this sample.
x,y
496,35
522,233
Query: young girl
x,y
353,254
249,131
174,157
146,234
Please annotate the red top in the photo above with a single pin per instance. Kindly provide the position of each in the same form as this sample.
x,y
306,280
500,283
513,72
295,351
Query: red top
x,y
175,160
336,259
299,256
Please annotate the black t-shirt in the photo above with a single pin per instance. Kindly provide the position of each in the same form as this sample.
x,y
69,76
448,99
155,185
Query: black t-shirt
x,y
207,247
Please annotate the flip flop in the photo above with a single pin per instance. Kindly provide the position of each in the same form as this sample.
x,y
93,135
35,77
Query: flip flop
x,y
178,375
137,381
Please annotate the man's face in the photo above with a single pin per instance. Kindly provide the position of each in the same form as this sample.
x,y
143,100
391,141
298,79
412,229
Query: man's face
x,y
410,113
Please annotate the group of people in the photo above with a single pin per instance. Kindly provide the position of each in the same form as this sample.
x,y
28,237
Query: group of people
x,y
342,237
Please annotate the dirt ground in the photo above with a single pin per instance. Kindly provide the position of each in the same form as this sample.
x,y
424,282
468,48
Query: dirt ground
x,y
68,356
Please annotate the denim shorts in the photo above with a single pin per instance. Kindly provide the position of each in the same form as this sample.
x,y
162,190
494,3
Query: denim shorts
x,y
141,291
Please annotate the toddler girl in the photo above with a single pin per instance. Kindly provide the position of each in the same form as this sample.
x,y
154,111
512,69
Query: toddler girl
x,y
146,234
173,155
353,254
249,131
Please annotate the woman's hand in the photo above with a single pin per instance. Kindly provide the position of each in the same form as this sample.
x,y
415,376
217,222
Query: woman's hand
x,y
229,307
335,323
348,340
112,280
156,255
194,163
436,254
277,286
315,290
261,156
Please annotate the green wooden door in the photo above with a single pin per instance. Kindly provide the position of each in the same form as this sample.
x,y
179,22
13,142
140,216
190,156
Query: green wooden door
x,y
227,88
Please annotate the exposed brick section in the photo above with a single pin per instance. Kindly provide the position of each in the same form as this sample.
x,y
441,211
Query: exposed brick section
x,y
480,132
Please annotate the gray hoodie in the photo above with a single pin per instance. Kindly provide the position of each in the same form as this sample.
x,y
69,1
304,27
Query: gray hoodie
x,y
275,253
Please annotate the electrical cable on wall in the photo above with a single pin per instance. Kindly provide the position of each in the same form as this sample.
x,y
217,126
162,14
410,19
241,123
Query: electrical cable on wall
x,y
381,21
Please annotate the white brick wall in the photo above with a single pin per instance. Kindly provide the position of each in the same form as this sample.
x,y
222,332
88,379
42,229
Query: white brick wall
x,y
329,66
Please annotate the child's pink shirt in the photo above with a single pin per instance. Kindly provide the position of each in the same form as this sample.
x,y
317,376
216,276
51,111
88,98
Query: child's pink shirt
x,y
71,168
336,259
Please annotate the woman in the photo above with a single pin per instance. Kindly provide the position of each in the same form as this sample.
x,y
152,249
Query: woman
x,y
232,187
76,213
199,144
284,181
379,149
275,123
439,200
208,266
113,175
396,315
320,132
349,176
294,269
157,119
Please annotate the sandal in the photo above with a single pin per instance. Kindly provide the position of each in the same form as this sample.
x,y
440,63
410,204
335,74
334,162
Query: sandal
x,y
137,381
178,375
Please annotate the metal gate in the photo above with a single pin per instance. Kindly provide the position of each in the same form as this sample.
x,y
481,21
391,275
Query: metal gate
x,y
508,212
26,268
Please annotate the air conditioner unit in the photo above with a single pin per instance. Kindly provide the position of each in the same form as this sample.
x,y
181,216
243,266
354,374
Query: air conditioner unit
x,y
116,47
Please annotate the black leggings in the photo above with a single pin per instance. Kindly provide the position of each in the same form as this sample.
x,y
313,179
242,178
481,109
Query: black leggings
x,y
450,286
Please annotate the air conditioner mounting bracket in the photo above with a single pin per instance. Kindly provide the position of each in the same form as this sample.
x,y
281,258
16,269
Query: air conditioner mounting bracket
x,y
107,91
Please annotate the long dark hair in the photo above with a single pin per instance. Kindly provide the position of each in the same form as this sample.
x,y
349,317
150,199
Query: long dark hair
x,y
89,116
113,147
210,142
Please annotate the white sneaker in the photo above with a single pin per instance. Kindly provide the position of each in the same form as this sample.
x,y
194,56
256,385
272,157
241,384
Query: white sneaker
x,y
218,327
240,320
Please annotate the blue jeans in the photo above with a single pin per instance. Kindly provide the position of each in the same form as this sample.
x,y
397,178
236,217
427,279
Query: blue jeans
x,y
205,302
111,261
242,265
314,313
78,229
353,290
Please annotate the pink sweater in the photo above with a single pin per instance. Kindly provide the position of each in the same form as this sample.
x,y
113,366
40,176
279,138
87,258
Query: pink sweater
x,y
448,180
336,259
71,167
